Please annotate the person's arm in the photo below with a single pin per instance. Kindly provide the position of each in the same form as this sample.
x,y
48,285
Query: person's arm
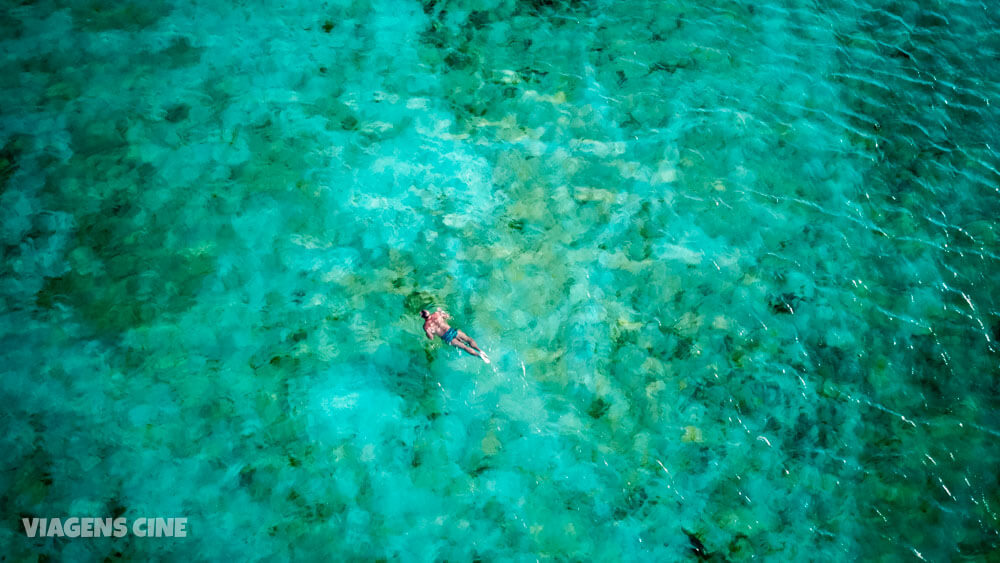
x,y
429,335
444,314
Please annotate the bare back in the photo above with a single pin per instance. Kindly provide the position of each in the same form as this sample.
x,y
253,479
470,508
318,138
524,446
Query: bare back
x,y
436,325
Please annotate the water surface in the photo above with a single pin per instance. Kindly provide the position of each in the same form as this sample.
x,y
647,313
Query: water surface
x,y
734,262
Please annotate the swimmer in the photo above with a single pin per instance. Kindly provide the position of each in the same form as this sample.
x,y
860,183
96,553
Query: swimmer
x,y
435,325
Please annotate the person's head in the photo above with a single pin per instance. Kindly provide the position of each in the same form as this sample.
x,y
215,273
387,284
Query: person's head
x,y
424,313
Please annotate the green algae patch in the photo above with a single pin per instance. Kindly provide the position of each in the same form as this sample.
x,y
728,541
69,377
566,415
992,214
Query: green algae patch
x,y
92,15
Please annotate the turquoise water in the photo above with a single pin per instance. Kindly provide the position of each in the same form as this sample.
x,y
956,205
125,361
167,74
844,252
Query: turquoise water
x,y
735,264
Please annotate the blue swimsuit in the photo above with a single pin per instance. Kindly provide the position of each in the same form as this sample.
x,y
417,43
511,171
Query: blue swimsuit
x,y
449,335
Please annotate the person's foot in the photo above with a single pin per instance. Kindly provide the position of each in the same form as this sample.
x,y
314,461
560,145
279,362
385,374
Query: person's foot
x,y
483,357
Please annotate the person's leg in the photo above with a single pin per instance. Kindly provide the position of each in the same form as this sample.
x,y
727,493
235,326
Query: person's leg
x,y
459,345
466,338
482,355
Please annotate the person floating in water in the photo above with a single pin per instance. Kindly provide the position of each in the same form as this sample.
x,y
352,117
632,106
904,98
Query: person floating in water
x,y
435,324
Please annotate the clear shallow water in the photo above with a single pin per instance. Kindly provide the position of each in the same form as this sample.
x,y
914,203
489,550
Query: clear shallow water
x,y
734,265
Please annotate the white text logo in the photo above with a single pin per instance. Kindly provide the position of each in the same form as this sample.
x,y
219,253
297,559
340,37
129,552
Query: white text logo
x,y
104,527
